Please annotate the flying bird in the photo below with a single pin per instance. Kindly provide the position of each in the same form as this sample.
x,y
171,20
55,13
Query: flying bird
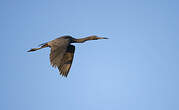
x,y
62,51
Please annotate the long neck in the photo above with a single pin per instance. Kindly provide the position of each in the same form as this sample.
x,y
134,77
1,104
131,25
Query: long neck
x,y
81,40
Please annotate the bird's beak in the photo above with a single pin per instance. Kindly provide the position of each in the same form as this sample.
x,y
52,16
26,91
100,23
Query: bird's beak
x,y
102,38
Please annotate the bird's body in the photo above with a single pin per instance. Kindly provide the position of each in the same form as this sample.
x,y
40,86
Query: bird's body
x,y
62,51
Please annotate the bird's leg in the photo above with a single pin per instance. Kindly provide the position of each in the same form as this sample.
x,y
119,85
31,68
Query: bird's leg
x,y
34,49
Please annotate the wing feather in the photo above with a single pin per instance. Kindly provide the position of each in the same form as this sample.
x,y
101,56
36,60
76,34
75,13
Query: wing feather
x,y
67,61
58,49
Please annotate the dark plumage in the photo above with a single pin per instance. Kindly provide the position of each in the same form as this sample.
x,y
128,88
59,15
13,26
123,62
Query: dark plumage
x,y
62,51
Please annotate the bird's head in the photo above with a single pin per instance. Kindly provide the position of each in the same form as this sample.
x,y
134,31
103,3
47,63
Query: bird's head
x,y
94,37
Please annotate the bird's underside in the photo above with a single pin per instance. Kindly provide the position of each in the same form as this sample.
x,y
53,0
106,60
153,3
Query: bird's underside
x,y
62,52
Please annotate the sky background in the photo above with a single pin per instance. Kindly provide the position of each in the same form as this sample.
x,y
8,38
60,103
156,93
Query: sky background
x,y
136,69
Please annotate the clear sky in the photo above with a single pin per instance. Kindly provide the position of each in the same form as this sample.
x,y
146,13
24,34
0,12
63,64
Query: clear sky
x,y
136,69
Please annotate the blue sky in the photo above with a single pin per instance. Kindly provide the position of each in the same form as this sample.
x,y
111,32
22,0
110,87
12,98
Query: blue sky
x,y
136,69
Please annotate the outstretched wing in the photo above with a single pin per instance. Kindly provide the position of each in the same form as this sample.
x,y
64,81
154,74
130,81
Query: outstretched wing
x,y
67,61
58,49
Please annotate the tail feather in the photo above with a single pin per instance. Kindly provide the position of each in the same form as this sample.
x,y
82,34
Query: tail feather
x,y
43,44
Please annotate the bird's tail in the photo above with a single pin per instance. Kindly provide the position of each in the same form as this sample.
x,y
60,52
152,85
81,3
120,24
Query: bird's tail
x,y
42,46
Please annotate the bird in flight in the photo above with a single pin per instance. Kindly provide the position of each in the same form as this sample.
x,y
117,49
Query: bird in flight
x,y
62,51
